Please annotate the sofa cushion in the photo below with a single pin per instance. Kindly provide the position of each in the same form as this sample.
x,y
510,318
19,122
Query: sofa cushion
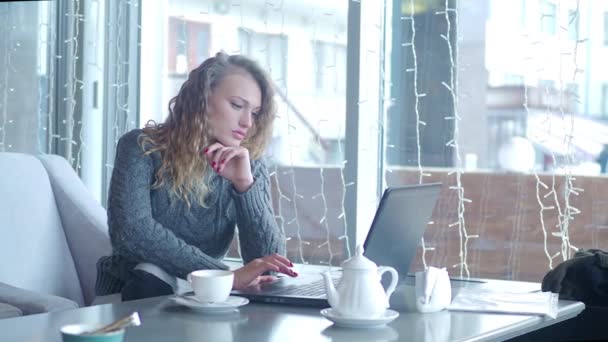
x,y
33,246
84,221
7,311
30,302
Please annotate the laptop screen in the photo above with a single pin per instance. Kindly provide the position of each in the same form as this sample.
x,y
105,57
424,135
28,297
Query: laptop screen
x,y
399,224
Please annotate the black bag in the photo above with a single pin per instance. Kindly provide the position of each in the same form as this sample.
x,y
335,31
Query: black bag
x,y
583,278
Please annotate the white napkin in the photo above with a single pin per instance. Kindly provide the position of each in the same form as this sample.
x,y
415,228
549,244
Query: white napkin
x,y
433,290
531,303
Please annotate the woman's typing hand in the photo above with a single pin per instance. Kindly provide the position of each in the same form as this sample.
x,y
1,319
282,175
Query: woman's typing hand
x,y
251,273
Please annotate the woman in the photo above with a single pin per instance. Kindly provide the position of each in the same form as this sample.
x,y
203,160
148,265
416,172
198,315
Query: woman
x,y
179,188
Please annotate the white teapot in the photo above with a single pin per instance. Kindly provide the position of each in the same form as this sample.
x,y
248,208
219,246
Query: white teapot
x,y
360,293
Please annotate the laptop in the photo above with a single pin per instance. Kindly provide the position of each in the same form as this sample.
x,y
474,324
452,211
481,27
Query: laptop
x,y
399,223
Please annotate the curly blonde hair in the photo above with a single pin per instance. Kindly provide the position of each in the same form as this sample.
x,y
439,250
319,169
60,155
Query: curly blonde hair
x,y
186,131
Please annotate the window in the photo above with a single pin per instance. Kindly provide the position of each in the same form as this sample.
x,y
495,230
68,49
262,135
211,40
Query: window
x,y
24,52
443,114
429,94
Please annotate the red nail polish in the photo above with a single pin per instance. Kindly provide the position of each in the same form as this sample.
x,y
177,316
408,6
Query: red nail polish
x,y
222,161
206,150
213,164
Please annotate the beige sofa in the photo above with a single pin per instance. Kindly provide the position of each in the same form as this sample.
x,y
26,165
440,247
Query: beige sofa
x,y
53,232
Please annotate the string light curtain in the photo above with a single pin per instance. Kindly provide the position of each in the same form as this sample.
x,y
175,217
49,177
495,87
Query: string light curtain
x,y
503,103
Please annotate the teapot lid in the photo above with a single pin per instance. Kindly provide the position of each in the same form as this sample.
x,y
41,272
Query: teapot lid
x,y
359,261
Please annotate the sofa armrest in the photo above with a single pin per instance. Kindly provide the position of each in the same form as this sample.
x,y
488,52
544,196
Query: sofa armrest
x,y
8,311
30,302
84,221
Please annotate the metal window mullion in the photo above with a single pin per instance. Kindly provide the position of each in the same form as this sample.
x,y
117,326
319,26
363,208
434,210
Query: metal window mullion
x,y
364,118
351,135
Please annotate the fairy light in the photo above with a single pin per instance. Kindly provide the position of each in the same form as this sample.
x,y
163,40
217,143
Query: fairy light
x,y
547,190
74,149
321,195
569,211
452,87
323,220
51,83
70,124
342,215
43,29
539,184
417,95
293,200
302,245
121,122
118,67
279,203
6,46
566,214
544,190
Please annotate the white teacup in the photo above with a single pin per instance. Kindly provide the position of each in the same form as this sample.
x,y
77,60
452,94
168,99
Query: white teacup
x,y
211,286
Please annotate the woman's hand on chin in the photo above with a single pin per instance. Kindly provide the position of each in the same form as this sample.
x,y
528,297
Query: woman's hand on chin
x,y
251,273
232,163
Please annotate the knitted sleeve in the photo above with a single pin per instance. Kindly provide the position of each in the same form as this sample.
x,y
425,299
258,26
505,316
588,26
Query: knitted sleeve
x,y
259,234
133,231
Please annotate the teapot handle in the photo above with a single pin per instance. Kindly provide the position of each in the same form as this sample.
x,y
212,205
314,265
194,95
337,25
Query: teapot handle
x,y
394,279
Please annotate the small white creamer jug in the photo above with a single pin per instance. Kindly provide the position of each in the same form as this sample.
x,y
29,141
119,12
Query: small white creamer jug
x,y
360,293
433,290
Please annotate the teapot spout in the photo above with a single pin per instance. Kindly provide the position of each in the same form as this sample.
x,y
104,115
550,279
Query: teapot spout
x,y
330,290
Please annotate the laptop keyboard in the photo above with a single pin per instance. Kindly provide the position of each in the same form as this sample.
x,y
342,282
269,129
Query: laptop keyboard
x,y
314,289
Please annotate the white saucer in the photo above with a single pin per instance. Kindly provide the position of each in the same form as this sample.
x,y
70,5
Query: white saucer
x,y
348,322
232,303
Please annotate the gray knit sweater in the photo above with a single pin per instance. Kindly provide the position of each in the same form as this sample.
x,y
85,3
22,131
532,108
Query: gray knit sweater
x,y
146,225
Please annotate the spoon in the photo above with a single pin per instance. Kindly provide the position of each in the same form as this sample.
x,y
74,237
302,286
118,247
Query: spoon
x,y
131,320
